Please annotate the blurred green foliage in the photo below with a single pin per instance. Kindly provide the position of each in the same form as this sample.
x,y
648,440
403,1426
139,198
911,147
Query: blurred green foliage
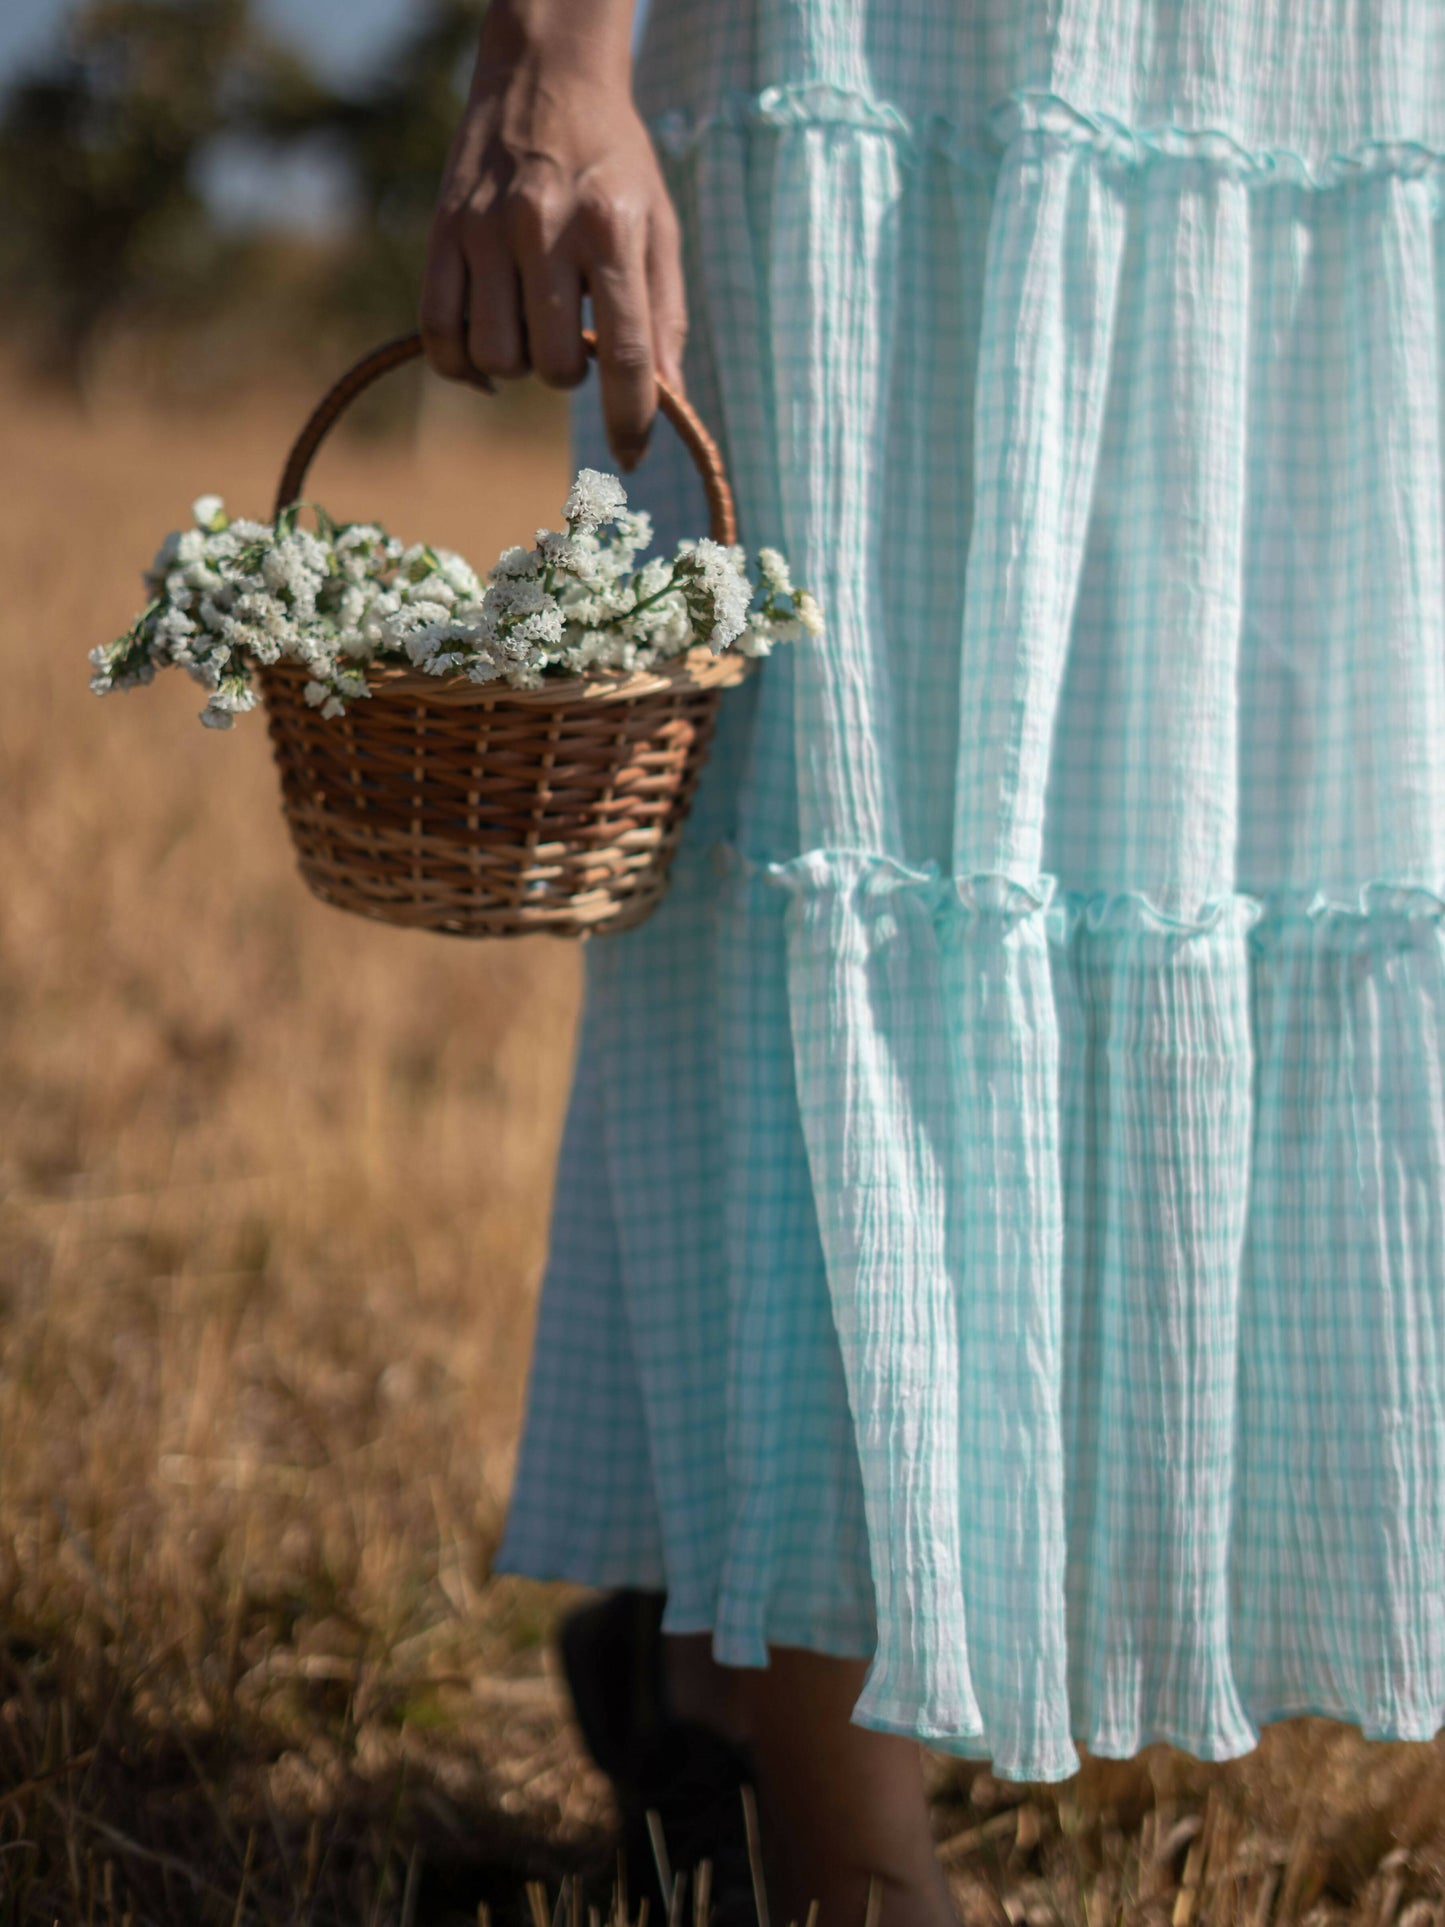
x,y
101,154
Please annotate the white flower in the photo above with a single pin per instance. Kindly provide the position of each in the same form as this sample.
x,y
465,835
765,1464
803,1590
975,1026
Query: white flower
x,y
672,635
595,498
523,676
359,535
808,612
234,697
561,550
543,630
515,561
458,575
229,595
427,644
634,529
775,572
716,591
655,576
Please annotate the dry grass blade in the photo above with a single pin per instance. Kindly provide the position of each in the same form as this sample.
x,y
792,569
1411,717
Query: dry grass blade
x,y
659,1857
874,1908
997,1827
410,1891
1305,1874
240,1909
755,1855
1420,1913
537,1903
33,1785
1188,1897
702,1895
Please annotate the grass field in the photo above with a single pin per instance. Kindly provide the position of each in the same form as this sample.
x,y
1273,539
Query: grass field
x,y
273,1195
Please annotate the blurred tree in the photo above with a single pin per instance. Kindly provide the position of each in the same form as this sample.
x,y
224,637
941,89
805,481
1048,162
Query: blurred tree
x,y
100,156
103,217
393,134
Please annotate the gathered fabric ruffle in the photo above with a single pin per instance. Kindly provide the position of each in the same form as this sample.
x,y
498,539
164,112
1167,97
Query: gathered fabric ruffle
x,y
998,1228
1034,121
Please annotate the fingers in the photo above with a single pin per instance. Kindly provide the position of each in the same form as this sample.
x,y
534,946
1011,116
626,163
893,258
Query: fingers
x,y
552,302
500,298
621,308
443,308
503,289
666,295
496,337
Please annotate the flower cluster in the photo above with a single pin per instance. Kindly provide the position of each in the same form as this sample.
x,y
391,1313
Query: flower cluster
x,y
228,595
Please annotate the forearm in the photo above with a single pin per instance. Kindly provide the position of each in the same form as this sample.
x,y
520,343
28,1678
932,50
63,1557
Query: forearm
x,y
590,36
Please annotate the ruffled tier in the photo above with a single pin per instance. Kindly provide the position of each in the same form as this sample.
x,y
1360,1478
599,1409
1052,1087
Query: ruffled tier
x,y
999,1225
1103,1403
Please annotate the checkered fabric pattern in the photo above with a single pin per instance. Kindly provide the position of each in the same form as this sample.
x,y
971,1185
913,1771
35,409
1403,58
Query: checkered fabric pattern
x,y
1001,1224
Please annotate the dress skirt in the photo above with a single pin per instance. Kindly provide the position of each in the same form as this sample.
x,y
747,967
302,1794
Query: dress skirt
x,y
1000,1222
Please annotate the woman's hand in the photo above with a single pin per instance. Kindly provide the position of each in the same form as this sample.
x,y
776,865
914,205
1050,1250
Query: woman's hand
x,y
552,189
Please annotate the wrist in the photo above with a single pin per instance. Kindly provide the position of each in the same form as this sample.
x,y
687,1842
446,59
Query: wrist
x,y
558,38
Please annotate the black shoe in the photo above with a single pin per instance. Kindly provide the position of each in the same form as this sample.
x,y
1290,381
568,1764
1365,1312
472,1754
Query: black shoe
x,y
689,1775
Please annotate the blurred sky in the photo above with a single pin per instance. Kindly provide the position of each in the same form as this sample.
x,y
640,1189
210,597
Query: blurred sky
x,y
344,37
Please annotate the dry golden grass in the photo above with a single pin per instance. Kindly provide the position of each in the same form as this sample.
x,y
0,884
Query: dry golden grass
x,y
273,1197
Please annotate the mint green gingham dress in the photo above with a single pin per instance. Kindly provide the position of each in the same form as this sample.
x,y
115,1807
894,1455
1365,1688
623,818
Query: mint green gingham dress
x,y
1000,1223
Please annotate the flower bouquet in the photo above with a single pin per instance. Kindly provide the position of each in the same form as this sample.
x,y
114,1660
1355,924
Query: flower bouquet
x,y
479,756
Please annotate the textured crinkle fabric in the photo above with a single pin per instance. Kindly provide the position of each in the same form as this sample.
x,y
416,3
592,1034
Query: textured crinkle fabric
x,y
1000,1225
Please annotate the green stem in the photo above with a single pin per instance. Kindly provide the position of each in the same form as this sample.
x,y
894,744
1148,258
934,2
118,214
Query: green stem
x,y
648,601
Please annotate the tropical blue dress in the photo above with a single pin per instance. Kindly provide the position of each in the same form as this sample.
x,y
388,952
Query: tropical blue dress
x,y
1000,1225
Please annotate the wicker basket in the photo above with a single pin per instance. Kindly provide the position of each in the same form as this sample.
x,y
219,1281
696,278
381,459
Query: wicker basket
x,y
486,811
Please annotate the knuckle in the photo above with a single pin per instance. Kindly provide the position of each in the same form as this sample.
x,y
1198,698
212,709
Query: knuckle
x,y
469,212
629,355
531,218
495,351
478,236
666,226
609,224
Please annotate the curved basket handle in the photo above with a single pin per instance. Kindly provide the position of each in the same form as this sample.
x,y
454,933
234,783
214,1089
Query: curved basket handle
x,y
695,439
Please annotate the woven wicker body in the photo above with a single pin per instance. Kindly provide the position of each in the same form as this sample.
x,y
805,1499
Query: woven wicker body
x,y
486,811
452,807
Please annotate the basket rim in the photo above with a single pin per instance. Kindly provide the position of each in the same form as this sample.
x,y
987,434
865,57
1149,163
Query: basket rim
x,y
695,668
